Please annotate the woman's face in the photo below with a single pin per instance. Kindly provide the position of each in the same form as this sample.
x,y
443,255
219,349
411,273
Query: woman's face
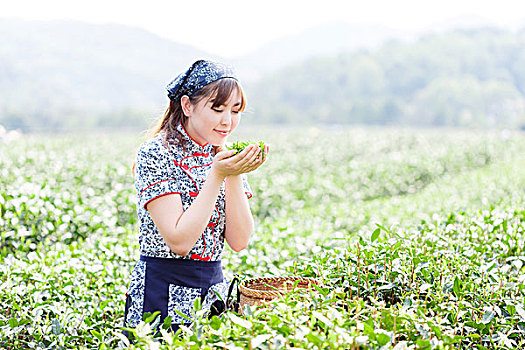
x,y
208,124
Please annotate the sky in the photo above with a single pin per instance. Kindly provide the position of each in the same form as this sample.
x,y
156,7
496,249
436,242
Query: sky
x,y
234,27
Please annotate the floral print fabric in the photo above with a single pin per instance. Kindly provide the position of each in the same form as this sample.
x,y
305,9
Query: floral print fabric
x,y
160,171
201,73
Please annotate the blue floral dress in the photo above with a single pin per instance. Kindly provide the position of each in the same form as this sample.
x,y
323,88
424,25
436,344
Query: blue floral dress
x,y
161,279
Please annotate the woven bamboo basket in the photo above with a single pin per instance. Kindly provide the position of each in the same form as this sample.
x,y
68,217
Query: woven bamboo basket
x,y
260,291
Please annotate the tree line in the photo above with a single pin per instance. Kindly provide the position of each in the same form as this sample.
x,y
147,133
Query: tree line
x,y
461,78
465,78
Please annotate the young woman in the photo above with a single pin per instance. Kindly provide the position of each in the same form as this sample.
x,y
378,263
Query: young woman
x,y
192,195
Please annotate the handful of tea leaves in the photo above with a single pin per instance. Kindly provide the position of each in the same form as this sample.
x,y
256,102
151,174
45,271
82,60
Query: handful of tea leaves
x,y
241,145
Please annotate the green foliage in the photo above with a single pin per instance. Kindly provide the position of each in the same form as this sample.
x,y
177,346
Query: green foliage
x,y
417,237
61,191
239,146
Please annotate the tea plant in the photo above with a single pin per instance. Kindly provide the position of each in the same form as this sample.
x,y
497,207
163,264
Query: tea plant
x,y
416,235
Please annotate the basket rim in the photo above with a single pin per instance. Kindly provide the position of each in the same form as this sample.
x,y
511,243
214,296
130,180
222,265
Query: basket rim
x,y
245,290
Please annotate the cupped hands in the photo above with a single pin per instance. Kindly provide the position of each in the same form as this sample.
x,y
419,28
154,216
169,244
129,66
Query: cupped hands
x,y
226,163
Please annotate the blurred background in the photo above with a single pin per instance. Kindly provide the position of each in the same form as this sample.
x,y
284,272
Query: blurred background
x,y
98,65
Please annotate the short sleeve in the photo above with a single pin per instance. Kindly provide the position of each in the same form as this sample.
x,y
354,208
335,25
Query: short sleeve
x,y
155,174
246,186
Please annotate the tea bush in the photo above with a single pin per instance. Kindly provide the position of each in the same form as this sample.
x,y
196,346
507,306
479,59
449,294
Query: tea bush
x,y
416,235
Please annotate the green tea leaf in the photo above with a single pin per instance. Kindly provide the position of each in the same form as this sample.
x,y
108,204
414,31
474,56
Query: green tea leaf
x,y
149,317
383,228
197,304
240,321
382,338
241,145
488,316
96,334
259,340
457,286
215,322
167,323
182,315
375,234
13,322
520,312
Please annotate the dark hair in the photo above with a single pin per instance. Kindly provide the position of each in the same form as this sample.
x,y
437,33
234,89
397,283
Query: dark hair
x,y
221,90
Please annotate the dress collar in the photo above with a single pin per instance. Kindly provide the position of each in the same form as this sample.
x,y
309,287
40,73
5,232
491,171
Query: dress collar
x,y
191,143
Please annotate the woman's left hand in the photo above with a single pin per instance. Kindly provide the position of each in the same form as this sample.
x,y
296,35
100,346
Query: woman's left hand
x,y
250,158
247,160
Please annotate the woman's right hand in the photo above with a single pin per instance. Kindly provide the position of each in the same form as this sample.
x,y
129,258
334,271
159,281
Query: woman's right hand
x,y
227,163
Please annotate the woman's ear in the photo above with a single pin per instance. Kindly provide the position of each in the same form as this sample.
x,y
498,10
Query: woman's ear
x,y
186,105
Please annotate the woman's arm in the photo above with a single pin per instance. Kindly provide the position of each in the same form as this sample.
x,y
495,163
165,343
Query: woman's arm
x,y
239,220
181,229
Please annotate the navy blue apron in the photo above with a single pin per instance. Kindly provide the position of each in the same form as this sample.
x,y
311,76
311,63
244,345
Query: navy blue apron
x,y
163,272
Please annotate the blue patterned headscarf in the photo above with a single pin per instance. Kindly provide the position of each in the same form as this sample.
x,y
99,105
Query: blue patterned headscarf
x,y
201,73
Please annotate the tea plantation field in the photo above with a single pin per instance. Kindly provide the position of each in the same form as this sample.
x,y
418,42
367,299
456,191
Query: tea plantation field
x,y
416,235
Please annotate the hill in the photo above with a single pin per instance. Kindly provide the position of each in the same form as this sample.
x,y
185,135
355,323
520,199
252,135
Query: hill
x,y
471,77
320,41
63,75
56,74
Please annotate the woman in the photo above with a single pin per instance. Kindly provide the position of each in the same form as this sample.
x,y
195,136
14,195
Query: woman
x,y
192,195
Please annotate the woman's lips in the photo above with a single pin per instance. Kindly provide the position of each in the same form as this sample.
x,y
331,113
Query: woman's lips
x,y
223,133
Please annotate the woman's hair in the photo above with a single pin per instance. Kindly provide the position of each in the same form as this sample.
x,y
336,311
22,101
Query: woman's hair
x,y
221,90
